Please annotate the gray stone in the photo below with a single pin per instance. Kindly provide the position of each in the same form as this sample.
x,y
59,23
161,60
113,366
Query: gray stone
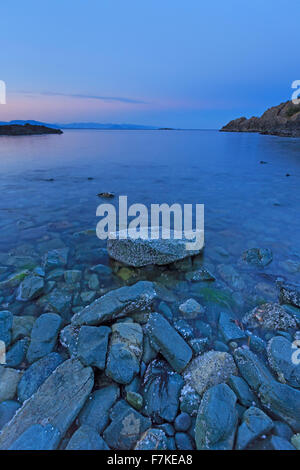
x,y
182,422
94,282
31,288
126,427
201,274
57,402
217,419
228,328
289,293
7,411
36,374
37,437
209,369
165,339
134,399
254,424
58,301
283,400
86,438
9,379
280,356
92,345
269,316
189,400
22,326
117,303
125,352
95,412
152,439
148,250
191,309
258,256
183,441
278,443
161,392
17,353
6,321
43,336
240,387
72,276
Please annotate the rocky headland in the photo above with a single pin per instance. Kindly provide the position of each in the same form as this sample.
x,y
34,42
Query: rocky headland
x,y
27,129
282,120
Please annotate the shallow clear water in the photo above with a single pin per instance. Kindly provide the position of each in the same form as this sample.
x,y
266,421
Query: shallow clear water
x,y
247,204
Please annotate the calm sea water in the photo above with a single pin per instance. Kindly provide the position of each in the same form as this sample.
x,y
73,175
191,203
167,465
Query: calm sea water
x,y
46,195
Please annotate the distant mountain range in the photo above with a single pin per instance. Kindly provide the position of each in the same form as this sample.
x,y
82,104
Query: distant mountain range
x,y
82,125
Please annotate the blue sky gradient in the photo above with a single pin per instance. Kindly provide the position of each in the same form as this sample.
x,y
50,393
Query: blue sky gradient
x,y
190,64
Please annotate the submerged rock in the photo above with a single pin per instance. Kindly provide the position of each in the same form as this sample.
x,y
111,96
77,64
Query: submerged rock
x,y
57,402
258,256
209,369
216,419
269,316
165,339
139,252
289,293
125,352
57,258
201,274
31,288
161,391
191,309
117,303
86,438
254,423
126,427
22,327
229,274
229,329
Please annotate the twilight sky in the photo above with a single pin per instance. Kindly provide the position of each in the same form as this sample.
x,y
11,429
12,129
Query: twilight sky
x,y
190,64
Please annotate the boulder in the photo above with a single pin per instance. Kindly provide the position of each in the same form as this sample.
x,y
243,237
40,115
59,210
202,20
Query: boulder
x,y
152,439
280,356
86,438
92,345
165,339
139,252
126,427
161,392
217,419
229,329
36,374
17,353
117,303
37,437
258,256
191,309
56,258
289,293
281,399
254,424
209,369
9,379
95,412
31,288
57,402
125,352
22,326
43,336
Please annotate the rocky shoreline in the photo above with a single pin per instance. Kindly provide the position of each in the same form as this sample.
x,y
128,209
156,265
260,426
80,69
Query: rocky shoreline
x,y
282,120
27,129
106,356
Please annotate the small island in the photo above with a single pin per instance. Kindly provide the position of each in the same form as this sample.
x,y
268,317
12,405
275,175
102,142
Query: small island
x,y
27,129
282,120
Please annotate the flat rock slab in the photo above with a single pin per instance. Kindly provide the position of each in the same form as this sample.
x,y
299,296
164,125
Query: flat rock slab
x,y
117,303
139,252
57,402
